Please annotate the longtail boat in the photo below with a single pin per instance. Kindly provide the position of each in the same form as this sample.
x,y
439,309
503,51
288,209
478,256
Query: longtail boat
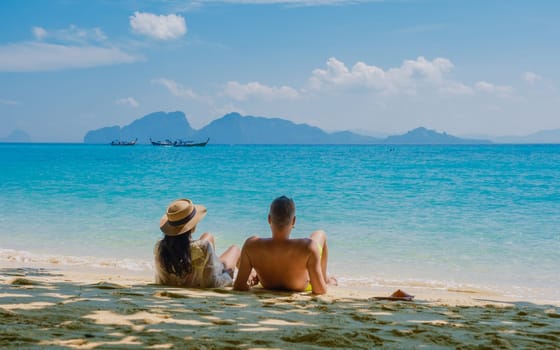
x,y
123,143
162,143
181,143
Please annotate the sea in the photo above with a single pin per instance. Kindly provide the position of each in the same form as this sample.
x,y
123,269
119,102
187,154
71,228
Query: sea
x,y
460,217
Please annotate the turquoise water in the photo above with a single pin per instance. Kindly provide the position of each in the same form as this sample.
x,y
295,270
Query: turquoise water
x,y
443,216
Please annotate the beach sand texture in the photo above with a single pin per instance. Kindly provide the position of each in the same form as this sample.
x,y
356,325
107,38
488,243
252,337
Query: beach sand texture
x,y
46,308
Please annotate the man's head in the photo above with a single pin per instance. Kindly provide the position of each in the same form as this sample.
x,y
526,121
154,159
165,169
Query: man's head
x,y
282,212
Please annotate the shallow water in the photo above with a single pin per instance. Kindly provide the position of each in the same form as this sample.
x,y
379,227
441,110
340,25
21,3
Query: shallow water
x,y
441,216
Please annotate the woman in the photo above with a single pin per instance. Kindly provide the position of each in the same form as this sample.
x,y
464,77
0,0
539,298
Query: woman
x,y
182,261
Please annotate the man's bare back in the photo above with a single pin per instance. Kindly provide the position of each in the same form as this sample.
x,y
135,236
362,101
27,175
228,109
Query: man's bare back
x,y
281,262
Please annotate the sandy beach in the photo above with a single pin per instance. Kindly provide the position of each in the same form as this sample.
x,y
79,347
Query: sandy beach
x,y
50,307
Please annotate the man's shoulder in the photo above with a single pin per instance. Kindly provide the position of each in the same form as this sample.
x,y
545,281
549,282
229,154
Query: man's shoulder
x,y
252,243
253,240
255,243
303,242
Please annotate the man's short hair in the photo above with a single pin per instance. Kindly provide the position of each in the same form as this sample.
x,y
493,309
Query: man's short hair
x,y
282,211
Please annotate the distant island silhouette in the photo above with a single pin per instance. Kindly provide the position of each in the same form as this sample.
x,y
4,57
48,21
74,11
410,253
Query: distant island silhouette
x,y
233,128
17,136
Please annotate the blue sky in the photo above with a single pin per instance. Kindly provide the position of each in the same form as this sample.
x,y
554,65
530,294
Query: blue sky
x,y
476,67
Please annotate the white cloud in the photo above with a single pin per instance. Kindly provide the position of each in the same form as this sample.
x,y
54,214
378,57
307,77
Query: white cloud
x,y
39,33
456,88
420,76
8,102
128,101
484,86
34,56
499,90
176,89
242,92
232,89
530,77
407,78
72,34
410,78
158,27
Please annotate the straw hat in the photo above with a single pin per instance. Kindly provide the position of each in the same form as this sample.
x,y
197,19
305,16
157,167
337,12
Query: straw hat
x,y
181,216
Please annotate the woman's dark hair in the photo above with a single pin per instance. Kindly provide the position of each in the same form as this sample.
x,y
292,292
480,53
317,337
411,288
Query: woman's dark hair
x,y
175,254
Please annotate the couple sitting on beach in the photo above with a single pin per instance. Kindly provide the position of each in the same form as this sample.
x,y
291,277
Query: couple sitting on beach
x,y
278,263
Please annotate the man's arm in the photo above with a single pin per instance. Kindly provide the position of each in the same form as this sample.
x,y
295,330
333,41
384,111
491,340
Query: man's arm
x,y
245,267
318,284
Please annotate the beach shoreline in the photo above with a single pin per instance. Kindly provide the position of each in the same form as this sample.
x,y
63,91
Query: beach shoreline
x,y
143,273
69,307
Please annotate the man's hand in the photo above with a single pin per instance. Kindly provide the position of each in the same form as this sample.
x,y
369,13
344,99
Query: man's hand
x,y
253,278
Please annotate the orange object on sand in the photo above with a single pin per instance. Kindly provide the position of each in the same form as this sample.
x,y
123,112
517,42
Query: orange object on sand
x,y
397,295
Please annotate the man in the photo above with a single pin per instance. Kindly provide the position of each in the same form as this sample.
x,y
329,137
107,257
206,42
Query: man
x,y
284,263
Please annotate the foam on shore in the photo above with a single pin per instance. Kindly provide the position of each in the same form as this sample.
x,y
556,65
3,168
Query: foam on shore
x,y
137,268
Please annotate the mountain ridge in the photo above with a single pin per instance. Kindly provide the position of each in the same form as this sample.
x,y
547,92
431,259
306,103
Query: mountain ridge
x,y
234,128
551,136
422,135
16,136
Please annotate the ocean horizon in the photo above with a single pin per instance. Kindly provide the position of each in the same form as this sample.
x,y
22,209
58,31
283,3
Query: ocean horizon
x,y
452,217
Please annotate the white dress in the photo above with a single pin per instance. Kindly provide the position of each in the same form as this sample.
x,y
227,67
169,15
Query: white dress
x,y
207,269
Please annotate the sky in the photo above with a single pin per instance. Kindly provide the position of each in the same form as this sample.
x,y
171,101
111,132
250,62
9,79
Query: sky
x,y
469,68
